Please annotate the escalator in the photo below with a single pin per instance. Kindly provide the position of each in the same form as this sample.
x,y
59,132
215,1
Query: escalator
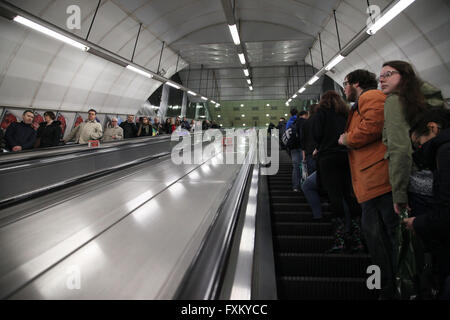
x,y
304,271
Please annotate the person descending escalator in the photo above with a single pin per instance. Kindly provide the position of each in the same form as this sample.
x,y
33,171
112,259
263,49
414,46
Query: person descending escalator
x,y
49,132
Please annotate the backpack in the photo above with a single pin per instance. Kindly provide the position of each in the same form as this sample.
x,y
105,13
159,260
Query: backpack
x,y
291,136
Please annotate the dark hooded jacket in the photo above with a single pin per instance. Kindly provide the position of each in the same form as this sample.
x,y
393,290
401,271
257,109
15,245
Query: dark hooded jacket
x,y
436,154
49,135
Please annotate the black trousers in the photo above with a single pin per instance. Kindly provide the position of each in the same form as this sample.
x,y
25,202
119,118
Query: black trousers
x,y
335,178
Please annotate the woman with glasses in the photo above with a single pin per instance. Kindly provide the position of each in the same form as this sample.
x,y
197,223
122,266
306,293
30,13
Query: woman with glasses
x,y
404,104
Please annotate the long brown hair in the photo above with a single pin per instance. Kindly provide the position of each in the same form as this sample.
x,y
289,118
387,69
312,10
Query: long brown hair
x,y
333,101
411,97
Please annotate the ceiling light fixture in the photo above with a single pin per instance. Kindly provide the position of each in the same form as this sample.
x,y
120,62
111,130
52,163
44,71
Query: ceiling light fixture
x,y
51,33
235,34
313,80
141,72
242,58
334,62
395,10
173,85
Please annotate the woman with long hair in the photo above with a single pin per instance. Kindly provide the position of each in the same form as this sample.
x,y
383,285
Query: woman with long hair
x,y
403,107
333,171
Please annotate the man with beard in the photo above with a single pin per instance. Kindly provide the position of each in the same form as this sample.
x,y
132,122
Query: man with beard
x,y
370,174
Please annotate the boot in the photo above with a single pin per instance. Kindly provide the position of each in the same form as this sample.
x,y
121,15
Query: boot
x,y
356,243
339,237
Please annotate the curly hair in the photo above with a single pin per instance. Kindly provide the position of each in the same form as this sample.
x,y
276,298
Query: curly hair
x,y
411,97
367,80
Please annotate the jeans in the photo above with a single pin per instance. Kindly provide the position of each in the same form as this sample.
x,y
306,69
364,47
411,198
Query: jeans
x,y
380,228
296,157
311,165
311,192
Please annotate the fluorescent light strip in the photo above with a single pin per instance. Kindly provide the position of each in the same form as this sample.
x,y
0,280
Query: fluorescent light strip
x,y
289,100
50,33
294,96
192,93
302,90
242,58
246,72
203,98
235,34
173,85
249,81
251,88
213,102
313,80
334,62
389,15
141,72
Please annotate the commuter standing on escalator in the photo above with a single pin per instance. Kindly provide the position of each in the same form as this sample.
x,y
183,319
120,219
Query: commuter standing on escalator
x,y
145,128
113,132
87,130
370,174
49,132
21,136
333,169
129,128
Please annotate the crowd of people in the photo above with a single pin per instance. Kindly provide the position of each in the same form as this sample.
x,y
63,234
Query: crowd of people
x,y
382,160
22,136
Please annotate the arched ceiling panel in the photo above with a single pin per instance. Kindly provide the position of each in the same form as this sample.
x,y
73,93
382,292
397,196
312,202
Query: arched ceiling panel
x,y
417,35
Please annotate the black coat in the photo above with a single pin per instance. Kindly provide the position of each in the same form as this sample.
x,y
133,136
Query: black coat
x,y
49,136
327,128
436,153
20,134
434,227
129,130
307,138
146,131
2,140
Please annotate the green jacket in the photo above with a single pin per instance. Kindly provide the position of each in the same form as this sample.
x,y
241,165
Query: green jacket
x,y
433,96
397,140
399,149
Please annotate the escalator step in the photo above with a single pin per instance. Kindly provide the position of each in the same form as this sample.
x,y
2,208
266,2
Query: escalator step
x,y
286,193
299,216
287,199
313,288
283,207
322,265
301,244
303,228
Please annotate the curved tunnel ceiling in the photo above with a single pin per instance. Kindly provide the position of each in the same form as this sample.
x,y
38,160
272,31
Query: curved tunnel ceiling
x,y
36,71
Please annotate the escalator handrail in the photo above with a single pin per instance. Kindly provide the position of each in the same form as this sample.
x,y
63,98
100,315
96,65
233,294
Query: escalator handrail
x,y
203,278
36,154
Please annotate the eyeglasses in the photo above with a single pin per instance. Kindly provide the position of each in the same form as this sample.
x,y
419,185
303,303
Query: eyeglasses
x,y
388,74
345,83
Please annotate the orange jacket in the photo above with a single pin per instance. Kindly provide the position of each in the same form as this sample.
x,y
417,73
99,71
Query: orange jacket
x,y
369,168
